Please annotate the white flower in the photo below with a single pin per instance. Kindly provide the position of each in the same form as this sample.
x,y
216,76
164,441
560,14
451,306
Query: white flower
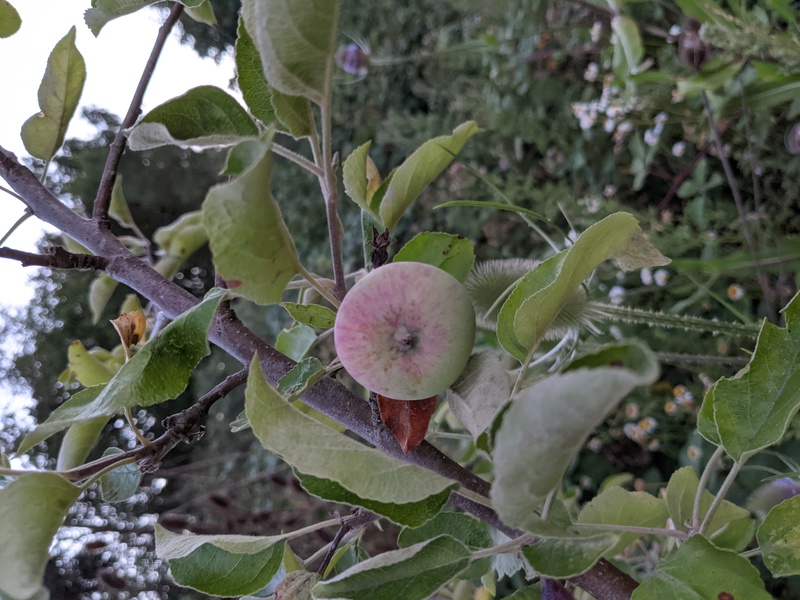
x,y
735,292
661,277
597,29
647,276
651,137
616,294
609,190
591,72
678,148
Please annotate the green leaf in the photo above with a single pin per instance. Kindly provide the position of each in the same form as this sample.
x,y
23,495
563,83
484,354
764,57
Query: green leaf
x,y
221,565
242,156
251,79
317,450
251,246
536,301
294,113
630,41
354,176
413,573
409,514
118,209
87,368
633,355
711,78
297,41
9,19
100,291
543,430
32,508
300,377
59,93
616,506
466,529
753,409
420,169
78,443
451,253
103,11
158,372
562,557
314,315
203,116
698,570
296,341
779,538
203,13
121,483
480,392
731,527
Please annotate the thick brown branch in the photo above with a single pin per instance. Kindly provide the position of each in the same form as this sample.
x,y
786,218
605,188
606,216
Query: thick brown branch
x,y
328,396
55,257
103,198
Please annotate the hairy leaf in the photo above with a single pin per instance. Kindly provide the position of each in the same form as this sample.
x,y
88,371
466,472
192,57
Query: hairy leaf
x,y
616,506
466,529
9,19
251,79
317,450
412,573
203,116
409,514
296,341
562,557
158,372
419,170
752,409
779,539
698,570
543,430
480,392
103,11
296,40
313,315
32,508
451,253
251,246
121,483
59,94
731,527
221,565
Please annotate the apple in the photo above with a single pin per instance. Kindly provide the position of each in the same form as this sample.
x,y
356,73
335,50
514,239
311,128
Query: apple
x,y
405,330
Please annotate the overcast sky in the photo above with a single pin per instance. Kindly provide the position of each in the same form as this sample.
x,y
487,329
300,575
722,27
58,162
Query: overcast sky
x,y
114,62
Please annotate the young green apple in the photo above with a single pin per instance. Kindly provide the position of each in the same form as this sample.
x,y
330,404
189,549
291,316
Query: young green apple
x,y
405,330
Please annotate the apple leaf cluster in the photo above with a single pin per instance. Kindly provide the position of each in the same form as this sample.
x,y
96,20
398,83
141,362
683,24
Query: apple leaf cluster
x,y
521,403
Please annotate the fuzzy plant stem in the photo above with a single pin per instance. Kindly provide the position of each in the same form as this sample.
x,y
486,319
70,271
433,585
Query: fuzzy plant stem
x,y
660,319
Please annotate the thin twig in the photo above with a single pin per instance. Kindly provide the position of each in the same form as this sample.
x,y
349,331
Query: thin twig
x,y
723,490
103,199
183,427
297,159
701,486
25,216
763,282
358,518
12,193
55,257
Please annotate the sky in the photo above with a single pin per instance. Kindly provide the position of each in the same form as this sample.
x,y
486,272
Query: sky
x,y
114,62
